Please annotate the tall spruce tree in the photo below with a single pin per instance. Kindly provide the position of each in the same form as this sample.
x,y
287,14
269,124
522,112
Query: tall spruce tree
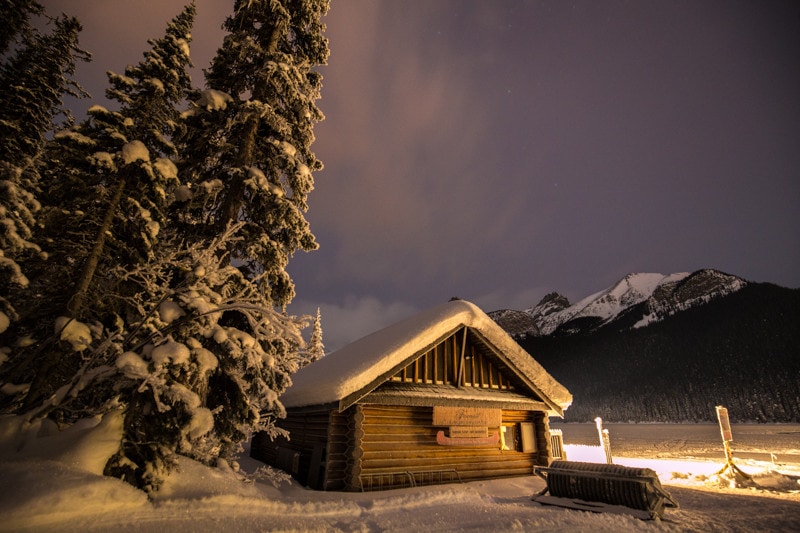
x,y
247,159
35,77
16,20
106,187
137,144
316,349
249,152
169,328
210,355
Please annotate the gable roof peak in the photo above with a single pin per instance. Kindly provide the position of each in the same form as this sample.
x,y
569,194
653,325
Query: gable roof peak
x,y
352,370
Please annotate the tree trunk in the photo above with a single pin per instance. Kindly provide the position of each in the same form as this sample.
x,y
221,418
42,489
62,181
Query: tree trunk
x,y
78,300
56,365
234,197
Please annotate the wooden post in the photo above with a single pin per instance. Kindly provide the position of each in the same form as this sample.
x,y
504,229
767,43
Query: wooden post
x,y
607,446
725,431
737,476
605,441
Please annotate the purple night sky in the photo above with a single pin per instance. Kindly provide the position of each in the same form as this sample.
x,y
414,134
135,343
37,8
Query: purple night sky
x,y
497,151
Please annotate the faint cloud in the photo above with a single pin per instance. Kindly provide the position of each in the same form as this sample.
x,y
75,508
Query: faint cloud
x,y
356,317
411,128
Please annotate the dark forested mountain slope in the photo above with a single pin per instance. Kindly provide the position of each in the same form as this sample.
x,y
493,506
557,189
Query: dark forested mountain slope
x,y
741,350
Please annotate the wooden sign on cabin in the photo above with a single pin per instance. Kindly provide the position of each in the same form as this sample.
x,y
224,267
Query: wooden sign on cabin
x,y
472,432
467,426
467,416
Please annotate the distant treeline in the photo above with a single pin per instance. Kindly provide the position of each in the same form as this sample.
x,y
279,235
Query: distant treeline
x,y
741,351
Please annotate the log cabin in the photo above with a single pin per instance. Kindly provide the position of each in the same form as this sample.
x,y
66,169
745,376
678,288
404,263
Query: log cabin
x,y
443,396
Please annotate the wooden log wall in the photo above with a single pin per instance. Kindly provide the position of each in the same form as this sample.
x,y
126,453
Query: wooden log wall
x,y
400,438
367,440
308,436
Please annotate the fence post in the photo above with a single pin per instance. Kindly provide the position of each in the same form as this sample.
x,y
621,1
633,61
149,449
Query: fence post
x,y
738,478
605,441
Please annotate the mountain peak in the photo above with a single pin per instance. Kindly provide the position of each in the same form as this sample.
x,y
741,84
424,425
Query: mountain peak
x,y
694,289
552,303
654,296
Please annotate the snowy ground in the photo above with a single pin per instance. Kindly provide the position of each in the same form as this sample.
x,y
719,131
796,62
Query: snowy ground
x,y
53,485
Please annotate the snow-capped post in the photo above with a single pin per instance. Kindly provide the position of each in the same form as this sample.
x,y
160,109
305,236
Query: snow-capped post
x,y
605,441
607,446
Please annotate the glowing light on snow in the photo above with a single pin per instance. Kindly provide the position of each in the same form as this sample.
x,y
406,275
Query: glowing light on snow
x,y
206,361
103,160
211,186
181,393
74,136
288,149
202,422
158,84
96,109
184,46
303,170
131,365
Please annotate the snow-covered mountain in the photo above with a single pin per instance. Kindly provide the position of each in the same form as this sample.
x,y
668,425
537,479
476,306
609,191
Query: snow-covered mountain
x,y
635,301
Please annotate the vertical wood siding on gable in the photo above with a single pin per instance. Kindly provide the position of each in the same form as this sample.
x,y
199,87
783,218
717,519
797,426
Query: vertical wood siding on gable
x,y
441,366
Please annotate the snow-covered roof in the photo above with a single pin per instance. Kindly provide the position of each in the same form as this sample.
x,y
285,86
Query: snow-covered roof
x,y
355,370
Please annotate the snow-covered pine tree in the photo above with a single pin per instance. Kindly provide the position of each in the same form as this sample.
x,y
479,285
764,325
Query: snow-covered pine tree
x,y
315,349
186,342
188,346
16,21
247,157
248,151
214,336
35,76
198,371
137,144
107,184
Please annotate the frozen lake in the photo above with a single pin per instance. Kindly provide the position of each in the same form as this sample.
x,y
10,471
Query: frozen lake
x,y
659,441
